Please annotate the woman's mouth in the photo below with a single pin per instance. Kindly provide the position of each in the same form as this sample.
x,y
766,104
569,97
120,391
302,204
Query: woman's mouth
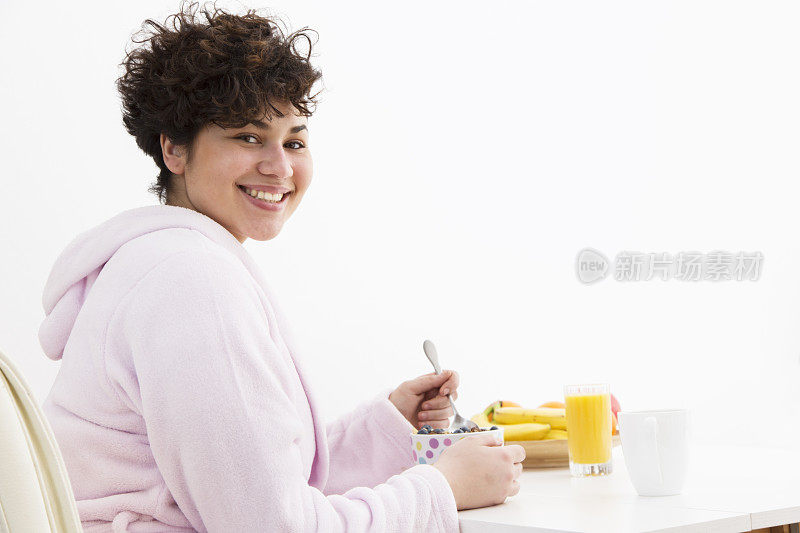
x,y
265,200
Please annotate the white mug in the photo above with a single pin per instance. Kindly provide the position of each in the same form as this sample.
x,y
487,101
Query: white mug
x,y
655,445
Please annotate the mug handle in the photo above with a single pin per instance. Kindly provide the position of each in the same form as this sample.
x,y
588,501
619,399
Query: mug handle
x,y
651,430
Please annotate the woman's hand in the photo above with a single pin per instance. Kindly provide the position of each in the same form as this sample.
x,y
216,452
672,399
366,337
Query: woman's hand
x,y
423,400
480,472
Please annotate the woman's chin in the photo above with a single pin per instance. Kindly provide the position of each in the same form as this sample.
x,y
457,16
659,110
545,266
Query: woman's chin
x,y
264,233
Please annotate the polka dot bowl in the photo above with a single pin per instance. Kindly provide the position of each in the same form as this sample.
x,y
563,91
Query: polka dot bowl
x,y
426,449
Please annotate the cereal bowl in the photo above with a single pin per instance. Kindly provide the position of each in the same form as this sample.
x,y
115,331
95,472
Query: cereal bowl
x,y
427,447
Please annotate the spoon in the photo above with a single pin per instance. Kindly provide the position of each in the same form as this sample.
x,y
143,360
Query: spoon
x,y
459,421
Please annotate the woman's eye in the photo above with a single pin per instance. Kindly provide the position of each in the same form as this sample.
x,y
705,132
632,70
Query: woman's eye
x,y
297,144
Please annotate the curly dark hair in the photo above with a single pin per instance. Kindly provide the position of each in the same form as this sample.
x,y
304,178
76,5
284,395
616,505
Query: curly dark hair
x,y
226,70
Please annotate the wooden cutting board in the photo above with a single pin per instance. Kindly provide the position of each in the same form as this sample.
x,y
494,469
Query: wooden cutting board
x,y
548,453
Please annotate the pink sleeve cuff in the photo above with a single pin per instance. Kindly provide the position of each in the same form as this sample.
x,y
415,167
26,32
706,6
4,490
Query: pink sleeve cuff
x,y
397,428
443,499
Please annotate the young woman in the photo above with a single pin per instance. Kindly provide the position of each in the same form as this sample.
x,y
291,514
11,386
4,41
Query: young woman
x,y
181,403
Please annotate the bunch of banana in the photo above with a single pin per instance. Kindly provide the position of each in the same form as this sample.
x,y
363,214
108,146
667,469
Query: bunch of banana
x,y
518,423
557,418
524,431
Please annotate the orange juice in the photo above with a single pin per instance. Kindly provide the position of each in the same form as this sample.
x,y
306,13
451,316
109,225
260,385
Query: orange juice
x,y
589,428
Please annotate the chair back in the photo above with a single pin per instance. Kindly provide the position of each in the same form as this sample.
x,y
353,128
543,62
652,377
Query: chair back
x,y
35,492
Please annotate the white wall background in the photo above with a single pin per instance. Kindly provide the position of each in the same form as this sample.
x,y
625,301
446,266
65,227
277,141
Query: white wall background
x,y
464,153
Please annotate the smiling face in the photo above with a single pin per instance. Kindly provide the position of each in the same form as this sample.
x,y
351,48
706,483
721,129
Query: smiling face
x,y
228,166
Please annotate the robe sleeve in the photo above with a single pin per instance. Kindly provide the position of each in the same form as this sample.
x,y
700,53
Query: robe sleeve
x,y
368,445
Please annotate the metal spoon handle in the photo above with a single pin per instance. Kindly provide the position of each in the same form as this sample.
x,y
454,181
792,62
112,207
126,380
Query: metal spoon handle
x,y
433,357
455,411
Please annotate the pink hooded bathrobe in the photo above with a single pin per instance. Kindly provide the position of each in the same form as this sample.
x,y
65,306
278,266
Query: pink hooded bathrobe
x,y
180,403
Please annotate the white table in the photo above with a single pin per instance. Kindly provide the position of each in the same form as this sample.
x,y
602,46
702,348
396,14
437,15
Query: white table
x,y
728,488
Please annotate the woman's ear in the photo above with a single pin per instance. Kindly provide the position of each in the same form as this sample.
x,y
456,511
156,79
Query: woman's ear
x,y
174,155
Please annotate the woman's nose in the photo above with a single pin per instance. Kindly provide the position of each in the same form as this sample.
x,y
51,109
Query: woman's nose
x,y
275,162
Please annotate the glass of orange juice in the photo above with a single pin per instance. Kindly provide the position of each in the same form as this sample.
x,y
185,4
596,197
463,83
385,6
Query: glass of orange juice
x,y
588,429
